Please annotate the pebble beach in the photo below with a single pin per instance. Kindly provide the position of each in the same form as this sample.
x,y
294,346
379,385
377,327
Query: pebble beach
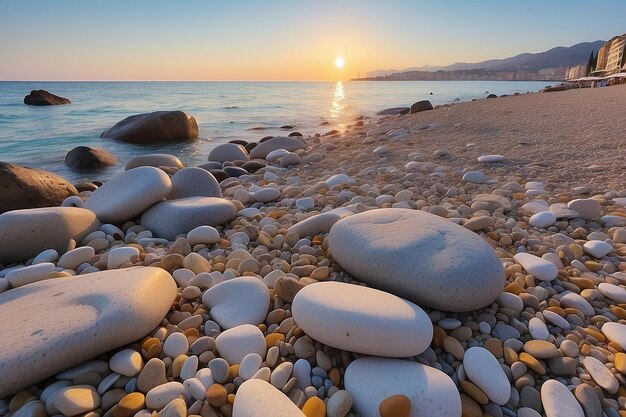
x,y
467,260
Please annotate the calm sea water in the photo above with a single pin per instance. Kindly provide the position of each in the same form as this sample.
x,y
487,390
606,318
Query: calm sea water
x,y
40,137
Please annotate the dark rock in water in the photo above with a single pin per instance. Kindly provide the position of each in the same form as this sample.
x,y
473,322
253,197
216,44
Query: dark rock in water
x,y
550,89
251,146
85,186
492,96
504,95
84,158
430,94
22,188
393,111
235,171
44,98
265,138
253,166
287,127
238,142
219,174
211,165
420,106
457,99
516,94
292,134
160,126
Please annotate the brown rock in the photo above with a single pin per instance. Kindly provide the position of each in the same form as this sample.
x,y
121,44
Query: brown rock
x,y
216,395
152,375
395,406
420,106
44,98
287,288
160,126
84,158
22,188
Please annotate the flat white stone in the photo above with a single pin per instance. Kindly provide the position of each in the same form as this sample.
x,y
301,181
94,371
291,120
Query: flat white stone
x,y
275,155
490,158
620,201
574,300
49,255
267,194
561,211
207,235
615,332
234,344
533,192
154,160
475,177
558,401
613,220
538,329
361,319
530,185
557,320
228,152
257,398
598,248
418,256
128,194
194,182
279,142
250,365
243,300
537,267
75,257
320,223
542,220
614,292
76,319
127,362
601,374
535,207
195,388
306,203
381,150
176,344
120,255
370,380
339,179
159,396
484,371
588,208
29,274
77,399
512,301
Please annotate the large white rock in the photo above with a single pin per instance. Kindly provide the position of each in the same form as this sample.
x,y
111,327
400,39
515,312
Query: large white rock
x,y
234,344
279,142
574,300
361,319
613,292
194,182
588,208
598,248
154,160
537,267
238,301
371,380
228,152
542,219
418,256
484,371
26,233
257,398
601,374
615,332
171,218
128,194
558,401
54,324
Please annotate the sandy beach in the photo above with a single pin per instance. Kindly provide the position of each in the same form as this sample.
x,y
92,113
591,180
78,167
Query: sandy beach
x,y
482,288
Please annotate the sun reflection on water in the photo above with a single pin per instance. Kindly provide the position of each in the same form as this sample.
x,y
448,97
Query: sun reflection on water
x,y
336,108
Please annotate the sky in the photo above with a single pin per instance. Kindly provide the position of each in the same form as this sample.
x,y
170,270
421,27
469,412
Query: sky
x,y
280,39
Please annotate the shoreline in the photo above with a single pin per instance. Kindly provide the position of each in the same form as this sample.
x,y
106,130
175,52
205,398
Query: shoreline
x,y
556,192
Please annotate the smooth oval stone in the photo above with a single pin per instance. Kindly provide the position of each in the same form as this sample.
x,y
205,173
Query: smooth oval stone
x,y
29,274
541,349
339,179
127,362
257,398
121,255
542,219
238,301
537,267
77,318
601,374
153,160
490,158
598,248
234,344
128,194
613,292
228,152
418,256
588,208
275,155
574,300
538,329
171,218
265,195
371,380
361,319
484,371
320,223
72,259
76,400
558,401
26,233
159,396
290,144
207,235
194,182
475,177
615,332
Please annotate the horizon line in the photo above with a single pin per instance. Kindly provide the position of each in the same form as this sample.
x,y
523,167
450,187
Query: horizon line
x,y
168,81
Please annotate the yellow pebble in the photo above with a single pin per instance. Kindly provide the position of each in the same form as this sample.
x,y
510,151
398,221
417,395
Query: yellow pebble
x,y
474,392
532,363
314,407
129,405
272,339
334,376
230,399
469,407
620,362
395,406
233,371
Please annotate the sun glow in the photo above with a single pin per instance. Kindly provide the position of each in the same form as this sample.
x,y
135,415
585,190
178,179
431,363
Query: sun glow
x,y
339,62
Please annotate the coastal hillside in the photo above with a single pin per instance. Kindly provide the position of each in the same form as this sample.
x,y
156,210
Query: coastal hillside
x,y
547,65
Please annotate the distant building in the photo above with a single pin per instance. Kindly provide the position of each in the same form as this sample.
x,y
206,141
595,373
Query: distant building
x,y
575,72
611,57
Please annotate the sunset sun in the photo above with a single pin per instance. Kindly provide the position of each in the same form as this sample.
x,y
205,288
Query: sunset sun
x,y
339,62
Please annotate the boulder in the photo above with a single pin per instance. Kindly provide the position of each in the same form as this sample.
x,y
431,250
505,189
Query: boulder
x,y
26,233
84,158
176,217
22,188
279,142
44,98
418,256
194,182
393,111
128,194
420,106
228,152
154,160
160,126
550,89
75,319
233,171
492,96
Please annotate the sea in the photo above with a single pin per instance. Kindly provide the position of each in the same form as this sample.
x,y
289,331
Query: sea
x,y
40,137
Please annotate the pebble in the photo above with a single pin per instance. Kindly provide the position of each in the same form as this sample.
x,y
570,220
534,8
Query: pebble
x,y
175,408
207,235
72,259
574,300
613,292
601,374
598,248
537,267
483,369
159,396
250,365
152,375
29,274
257,398
176,344
339,404
475,177
588,208
589,400
234,344
121,255
126,362
395,406
490,158
558,401
302,372
238,301
538,329
314,407
76,399
542,220
541,349
615,332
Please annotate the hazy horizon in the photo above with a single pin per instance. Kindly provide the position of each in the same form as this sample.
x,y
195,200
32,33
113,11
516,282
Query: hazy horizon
x,y
277,40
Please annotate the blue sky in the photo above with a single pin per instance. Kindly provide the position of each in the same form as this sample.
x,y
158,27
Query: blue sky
x,y
272,39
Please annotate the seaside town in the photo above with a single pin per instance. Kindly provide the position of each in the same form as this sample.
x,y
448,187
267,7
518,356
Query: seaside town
x,y
464,259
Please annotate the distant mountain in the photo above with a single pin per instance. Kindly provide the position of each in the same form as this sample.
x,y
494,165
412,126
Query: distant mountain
x,y
553,58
